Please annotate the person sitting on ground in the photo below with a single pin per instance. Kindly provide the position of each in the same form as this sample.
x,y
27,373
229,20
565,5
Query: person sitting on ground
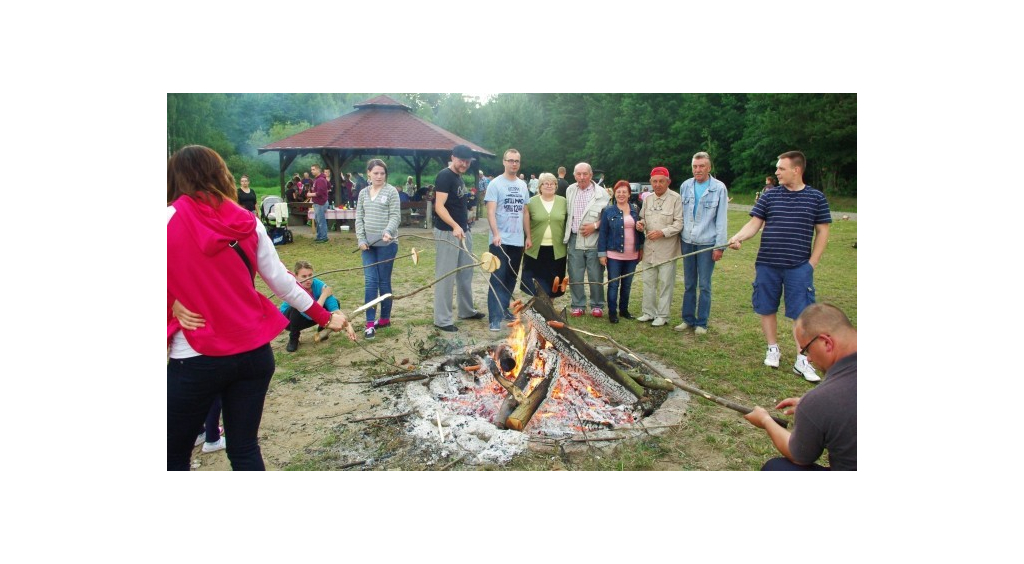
x,y
827,415
297,321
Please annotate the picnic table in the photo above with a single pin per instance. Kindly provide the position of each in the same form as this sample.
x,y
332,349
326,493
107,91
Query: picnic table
x,y
338,215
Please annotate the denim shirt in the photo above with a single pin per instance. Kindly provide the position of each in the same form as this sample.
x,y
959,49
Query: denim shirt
x,y
711,224
612,234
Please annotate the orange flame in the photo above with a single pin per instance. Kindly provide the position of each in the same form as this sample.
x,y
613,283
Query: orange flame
x,y
517,342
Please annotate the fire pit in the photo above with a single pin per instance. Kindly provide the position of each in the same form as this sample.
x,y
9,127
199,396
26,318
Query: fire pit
x,y
543,387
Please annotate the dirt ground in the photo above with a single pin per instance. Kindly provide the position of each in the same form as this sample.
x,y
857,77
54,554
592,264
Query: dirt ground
x,y
304,412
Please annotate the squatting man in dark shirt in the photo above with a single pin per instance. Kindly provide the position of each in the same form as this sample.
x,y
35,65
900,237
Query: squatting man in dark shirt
x,y
825,417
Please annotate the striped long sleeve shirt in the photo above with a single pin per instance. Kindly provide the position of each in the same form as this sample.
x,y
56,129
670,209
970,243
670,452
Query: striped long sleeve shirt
x,y
374,216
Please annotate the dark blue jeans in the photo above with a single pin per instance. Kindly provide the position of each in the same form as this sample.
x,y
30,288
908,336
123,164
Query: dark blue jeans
x,y
697,272
241,380
502,282
618,291
784,465
377,279
212,428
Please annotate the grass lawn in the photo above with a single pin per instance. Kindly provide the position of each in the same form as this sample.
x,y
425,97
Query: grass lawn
x,y
836,203
726,362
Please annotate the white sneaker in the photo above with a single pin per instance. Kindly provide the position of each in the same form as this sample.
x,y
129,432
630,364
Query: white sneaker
x,y
645,317
201,438
681,327
659,321
221,444
804,368
771,358
700,330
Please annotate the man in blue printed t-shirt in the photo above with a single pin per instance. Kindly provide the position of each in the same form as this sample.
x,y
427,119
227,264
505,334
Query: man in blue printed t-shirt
x,y
505,198
793,215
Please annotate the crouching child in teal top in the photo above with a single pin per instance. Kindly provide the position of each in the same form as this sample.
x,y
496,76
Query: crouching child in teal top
x,y
297,321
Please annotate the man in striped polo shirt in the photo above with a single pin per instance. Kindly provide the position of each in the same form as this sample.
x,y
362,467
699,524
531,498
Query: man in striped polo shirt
x,y
794,216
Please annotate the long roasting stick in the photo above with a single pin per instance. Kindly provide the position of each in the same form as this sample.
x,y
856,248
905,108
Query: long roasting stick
x,y
693,390
639,270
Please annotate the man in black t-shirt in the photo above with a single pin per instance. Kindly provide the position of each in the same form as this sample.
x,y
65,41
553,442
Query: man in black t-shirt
x,y
451,231
563,184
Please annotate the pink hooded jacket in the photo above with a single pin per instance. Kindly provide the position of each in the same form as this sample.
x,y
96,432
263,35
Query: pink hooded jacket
x,y
208,277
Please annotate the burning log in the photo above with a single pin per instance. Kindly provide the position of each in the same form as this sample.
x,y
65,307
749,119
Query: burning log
x,y
522,379
522,414
510,403
543,306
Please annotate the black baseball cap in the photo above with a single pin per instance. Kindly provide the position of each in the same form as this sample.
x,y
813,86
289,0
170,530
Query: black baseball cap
x,y
463,152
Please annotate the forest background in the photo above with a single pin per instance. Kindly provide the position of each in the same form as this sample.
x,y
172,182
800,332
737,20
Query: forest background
x,y
621,135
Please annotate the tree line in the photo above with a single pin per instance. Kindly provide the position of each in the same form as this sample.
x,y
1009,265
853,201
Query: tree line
x,y
621,135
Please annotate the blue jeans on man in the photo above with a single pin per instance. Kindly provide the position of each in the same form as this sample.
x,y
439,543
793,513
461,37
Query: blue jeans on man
x,y
618,290
320,213
502,283
377,278
697,272
580,262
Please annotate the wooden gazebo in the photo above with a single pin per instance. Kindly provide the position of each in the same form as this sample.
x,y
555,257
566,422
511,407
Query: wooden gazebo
x,y
377,127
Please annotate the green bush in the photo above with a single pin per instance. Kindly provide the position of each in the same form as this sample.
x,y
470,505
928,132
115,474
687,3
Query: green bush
x,y
259,172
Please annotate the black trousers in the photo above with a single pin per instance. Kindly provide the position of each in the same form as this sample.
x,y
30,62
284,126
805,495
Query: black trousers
x,y
296,323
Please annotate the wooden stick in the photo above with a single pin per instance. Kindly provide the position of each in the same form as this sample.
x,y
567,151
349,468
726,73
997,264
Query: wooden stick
x,y
418,290
693,390
379,418
351,464
640,270
407,377
378,382
453,463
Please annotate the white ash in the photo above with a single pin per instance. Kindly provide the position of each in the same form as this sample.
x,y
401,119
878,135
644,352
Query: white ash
x,y
467,402
471,435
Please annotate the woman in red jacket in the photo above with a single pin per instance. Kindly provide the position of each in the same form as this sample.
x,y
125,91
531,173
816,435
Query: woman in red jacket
x,y
219,327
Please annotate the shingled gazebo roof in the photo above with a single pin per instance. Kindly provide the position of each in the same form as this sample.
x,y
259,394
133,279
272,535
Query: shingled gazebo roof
x,y
379,126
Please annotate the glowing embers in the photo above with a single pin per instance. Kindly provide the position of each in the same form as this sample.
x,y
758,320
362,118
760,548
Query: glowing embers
x,y
538,383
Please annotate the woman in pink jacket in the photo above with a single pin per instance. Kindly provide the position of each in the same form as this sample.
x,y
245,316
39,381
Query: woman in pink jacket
x,y
219,327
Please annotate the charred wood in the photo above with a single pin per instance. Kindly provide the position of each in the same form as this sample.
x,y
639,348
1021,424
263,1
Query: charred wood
x,y
543,306
524,412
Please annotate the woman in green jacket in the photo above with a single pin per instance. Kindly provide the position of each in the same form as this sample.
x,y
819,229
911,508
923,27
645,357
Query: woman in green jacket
x,y
544,224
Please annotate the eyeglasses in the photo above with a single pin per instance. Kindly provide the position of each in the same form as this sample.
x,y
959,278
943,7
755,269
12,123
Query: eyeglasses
x,y
513,161
803,351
